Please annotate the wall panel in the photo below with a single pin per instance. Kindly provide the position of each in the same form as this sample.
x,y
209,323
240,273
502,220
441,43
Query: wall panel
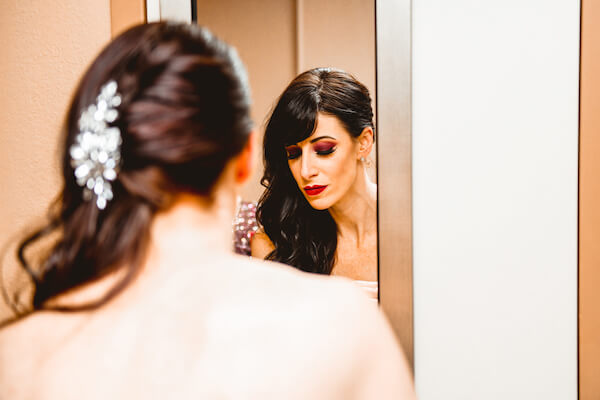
x,y
495,157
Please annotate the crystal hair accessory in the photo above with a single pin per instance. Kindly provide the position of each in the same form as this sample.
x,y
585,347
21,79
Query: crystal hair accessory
x,y
96,153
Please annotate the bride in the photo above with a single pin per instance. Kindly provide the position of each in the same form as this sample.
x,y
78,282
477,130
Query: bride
x,y
141,296
319,209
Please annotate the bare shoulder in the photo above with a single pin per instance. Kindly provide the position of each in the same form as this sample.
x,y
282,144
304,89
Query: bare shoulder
x,y
344,328
321,328
23,334
336,300
26,346
261,245
274,289
367,342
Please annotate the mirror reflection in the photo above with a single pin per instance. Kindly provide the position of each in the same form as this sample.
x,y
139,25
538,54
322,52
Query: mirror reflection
x,y
280,41
318,211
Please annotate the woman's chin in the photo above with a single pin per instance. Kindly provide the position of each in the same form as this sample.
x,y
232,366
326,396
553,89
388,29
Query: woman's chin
x,y
319,204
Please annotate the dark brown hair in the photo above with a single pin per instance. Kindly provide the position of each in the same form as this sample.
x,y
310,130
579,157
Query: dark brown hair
x,y
184,114
304,237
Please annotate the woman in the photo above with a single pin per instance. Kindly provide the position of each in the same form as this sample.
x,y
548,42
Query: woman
x,y
319,210
140,296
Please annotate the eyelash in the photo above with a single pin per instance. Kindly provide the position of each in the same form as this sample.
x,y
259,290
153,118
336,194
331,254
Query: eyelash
x,y
297,154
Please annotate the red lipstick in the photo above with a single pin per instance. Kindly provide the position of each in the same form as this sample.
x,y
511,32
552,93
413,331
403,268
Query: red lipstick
x,y
314,190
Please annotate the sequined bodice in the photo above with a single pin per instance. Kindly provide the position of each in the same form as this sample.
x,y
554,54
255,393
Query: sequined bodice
x,y
244,227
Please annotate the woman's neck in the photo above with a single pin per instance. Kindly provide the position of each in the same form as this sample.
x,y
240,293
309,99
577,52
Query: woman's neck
x,y
192,231
356,213
192,227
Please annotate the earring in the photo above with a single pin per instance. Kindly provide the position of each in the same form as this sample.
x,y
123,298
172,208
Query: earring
x,y
366,162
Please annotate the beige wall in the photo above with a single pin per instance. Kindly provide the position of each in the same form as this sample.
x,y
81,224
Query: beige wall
x,y
277,39
341,34
126,13
589,204
263,32
47,46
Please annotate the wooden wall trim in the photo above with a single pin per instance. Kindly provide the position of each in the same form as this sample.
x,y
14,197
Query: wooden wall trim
x,y
126,13
589,203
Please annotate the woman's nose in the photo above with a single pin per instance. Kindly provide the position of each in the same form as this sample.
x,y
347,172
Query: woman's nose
x,y
307,169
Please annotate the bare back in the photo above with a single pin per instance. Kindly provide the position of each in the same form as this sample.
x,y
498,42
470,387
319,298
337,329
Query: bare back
x,y
246,329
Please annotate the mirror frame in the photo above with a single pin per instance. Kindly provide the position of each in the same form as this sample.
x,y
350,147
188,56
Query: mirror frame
x,y
393,25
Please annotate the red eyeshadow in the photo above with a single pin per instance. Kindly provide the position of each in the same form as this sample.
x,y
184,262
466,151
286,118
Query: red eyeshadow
x,y
324,146
293,150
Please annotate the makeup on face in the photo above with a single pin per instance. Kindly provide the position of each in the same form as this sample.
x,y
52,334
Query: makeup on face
x,y
322,146
325,164
315,190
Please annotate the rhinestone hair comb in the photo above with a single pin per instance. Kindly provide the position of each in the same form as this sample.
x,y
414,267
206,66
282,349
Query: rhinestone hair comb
x,y
96,153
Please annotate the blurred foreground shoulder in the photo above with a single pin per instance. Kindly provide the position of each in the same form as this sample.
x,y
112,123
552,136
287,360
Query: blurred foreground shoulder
x,y
384,371
346,330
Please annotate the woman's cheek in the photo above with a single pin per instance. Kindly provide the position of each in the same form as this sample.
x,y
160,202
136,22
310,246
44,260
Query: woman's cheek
x,y
341,169
294,171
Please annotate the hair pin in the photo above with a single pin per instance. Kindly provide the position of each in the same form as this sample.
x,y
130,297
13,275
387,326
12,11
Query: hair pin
x,y
96,153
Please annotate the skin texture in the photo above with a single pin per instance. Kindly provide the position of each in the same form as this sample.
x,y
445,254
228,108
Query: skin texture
x,y
323,159
201,322
336,168
350,196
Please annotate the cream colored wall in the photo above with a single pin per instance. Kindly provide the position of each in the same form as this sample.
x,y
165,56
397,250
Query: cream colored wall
x,y
46,47
277,39
495,115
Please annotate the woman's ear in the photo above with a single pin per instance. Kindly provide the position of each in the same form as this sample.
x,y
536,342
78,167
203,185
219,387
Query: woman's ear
x,y
244,165
365,142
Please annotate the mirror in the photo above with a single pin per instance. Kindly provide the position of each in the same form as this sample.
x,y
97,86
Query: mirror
x,y
279,39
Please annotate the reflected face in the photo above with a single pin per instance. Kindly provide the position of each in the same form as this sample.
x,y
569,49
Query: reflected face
x,y
325,164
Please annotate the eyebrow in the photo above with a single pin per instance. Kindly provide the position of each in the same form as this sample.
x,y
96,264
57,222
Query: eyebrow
x,y
322,137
